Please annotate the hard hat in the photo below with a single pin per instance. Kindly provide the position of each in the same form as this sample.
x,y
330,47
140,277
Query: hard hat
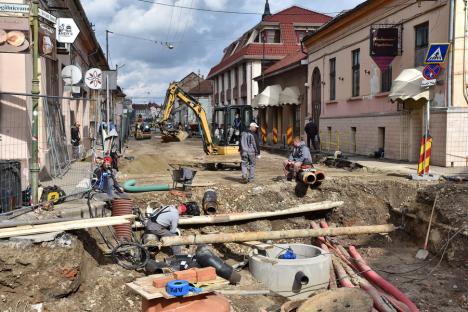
x,y
253,125
108,159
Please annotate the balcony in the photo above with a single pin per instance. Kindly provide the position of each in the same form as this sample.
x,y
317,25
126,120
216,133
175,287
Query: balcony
x,y
222,96
244,90
235,92
228,94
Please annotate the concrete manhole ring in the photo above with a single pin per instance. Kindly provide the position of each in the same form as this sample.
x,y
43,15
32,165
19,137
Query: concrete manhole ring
x,y
339,300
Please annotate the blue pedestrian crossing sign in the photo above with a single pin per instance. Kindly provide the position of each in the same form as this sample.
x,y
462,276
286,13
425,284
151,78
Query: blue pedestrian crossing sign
x,y
437,53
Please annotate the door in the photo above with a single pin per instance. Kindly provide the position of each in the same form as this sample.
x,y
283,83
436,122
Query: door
x,y
316,95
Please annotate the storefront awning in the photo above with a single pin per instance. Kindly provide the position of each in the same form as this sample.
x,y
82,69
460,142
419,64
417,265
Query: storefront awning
x,y
407,86
290,95
269,97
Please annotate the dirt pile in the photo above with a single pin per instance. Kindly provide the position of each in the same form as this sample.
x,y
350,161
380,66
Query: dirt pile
x,y
61,276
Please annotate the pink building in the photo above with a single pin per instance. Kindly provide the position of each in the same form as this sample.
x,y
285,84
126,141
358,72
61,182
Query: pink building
x,y
348,92
59,108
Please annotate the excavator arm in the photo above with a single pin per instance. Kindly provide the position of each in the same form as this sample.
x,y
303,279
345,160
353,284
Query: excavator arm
x,y
175,92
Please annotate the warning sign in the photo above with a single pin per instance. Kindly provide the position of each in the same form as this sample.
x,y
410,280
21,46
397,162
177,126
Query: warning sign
x,y
436,53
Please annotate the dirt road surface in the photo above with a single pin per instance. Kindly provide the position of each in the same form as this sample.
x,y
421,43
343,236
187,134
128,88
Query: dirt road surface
x,y
70,274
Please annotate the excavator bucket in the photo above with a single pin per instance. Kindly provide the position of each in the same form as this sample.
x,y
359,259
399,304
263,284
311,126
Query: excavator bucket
x,y
178,136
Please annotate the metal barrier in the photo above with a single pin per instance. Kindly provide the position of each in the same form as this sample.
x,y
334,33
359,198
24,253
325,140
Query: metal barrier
x,y
328,142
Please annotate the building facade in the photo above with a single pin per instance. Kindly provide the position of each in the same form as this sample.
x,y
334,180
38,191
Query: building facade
x,y
349,94
282,116
59,107
273,38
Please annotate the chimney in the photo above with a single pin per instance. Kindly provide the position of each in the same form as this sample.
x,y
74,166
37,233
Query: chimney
x,y
266,12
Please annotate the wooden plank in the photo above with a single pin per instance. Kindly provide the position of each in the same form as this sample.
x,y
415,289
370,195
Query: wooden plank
x,y
257,245
144,287
65,226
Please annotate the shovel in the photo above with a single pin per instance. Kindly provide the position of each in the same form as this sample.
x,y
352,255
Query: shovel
x,y
423,253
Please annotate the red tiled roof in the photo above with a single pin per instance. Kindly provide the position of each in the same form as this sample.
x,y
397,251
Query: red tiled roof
x,y
289,43
297,14
287,61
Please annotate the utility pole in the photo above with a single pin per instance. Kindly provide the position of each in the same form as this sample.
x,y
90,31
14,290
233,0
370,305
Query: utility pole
x,y
107,82
34,166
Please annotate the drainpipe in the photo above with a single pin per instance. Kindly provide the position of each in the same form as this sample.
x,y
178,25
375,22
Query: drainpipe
x,y
451,54
465,89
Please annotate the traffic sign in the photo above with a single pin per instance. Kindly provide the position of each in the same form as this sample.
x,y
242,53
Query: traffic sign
x,y
431,71
436,53
14,8
428,83
93,78
47,16
67,30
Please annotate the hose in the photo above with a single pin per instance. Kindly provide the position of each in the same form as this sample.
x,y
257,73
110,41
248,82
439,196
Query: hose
x,y
380,281
206,258
130,187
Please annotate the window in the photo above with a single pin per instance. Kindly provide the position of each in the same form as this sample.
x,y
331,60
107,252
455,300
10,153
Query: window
x,y
332,79
236,77
300,34
421,33
244,73
229,79
356,74
386,80
222,82
269,36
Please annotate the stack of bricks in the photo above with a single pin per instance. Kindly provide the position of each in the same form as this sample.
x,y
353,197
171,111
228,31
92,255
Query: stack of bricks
x,y
195,275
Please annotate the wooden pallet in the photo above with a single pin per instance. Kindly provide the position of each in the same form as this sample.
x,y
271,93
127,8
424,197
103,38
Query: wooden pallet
x,y
144,287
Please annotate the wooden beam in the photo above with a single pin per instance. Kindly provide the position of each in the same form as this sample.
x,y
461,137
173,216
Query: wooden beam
x,y
65,226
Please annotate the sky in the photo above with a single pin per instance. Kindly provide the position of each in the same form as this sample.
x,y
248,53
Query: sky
x,y
146,67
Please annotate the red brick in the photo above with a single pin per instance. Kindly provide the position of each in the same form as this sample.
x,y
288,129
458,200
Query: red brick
x,y
206,274
161,282
189,275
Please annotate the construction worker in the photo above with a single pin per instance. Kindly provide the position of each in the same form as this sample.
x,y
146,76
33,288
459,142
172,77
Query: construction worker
x,y
163,222
299,155
249,149
105,180
76,140
312,132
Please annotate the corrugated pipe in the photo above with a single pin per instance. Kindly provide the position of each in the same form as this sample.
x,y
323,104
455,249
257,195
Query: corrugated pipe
x,y
122,207
320,176
130,187
380,281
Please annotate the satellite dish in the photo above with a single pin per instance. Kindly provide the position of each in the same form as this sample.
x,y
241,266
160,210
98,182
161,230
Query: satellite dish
x,y
71,74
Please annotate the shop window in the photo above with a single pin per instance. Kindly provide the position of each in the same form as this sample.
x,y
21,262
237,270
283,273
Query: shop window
x,y
421,33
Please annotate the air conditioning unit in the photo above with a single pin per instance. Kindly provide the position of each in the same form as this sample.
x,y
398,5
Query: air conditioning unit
x,y
63,48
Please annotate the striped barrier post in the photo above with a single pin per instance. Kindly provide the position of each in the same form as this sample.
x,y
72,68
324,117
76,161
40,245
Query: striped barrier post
x,y
423,167
275,136
289,135
264,134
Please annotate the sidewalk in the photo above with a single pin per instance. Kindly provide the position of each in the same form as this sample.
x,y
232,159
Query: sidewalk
x,y
398,167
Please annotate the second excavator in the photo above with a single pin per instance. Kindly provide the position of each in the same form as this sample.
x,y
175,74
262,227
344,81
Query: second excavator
x,y
228,121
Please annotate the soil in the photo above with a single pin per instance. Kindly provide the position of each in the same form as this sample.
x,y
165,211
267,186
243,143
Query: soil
x,y
71,274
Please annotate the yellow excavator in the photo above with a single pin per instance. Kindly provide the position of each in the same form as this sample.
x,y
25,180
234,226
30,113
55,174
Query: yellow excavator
x,y
224,142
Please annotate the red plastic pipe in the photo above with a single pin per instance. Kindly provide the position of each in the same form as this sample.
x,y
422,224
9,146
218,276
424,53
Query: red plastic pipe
x,y
380,281
320,240
342,276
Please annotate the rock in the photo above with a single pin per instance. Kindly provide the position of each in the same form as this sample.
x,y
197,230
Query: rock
x,y
37,238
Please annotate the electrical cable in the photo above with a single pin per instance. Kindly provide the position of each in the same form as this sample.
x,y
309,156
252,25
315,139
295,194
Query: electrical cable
x,y
247,12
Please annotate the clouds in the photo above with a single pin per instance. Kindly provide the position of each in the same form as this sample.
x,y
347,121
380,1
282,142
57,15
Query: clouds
x,y
198,37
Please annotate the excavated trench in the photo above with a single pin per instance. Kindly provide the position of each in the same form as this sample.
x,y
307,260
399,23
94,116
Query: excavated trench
x,y
70,274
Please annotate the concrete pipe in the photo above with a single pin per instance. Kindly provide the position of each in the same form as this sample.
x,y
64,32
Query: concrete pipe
x,y
320,176
308,178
